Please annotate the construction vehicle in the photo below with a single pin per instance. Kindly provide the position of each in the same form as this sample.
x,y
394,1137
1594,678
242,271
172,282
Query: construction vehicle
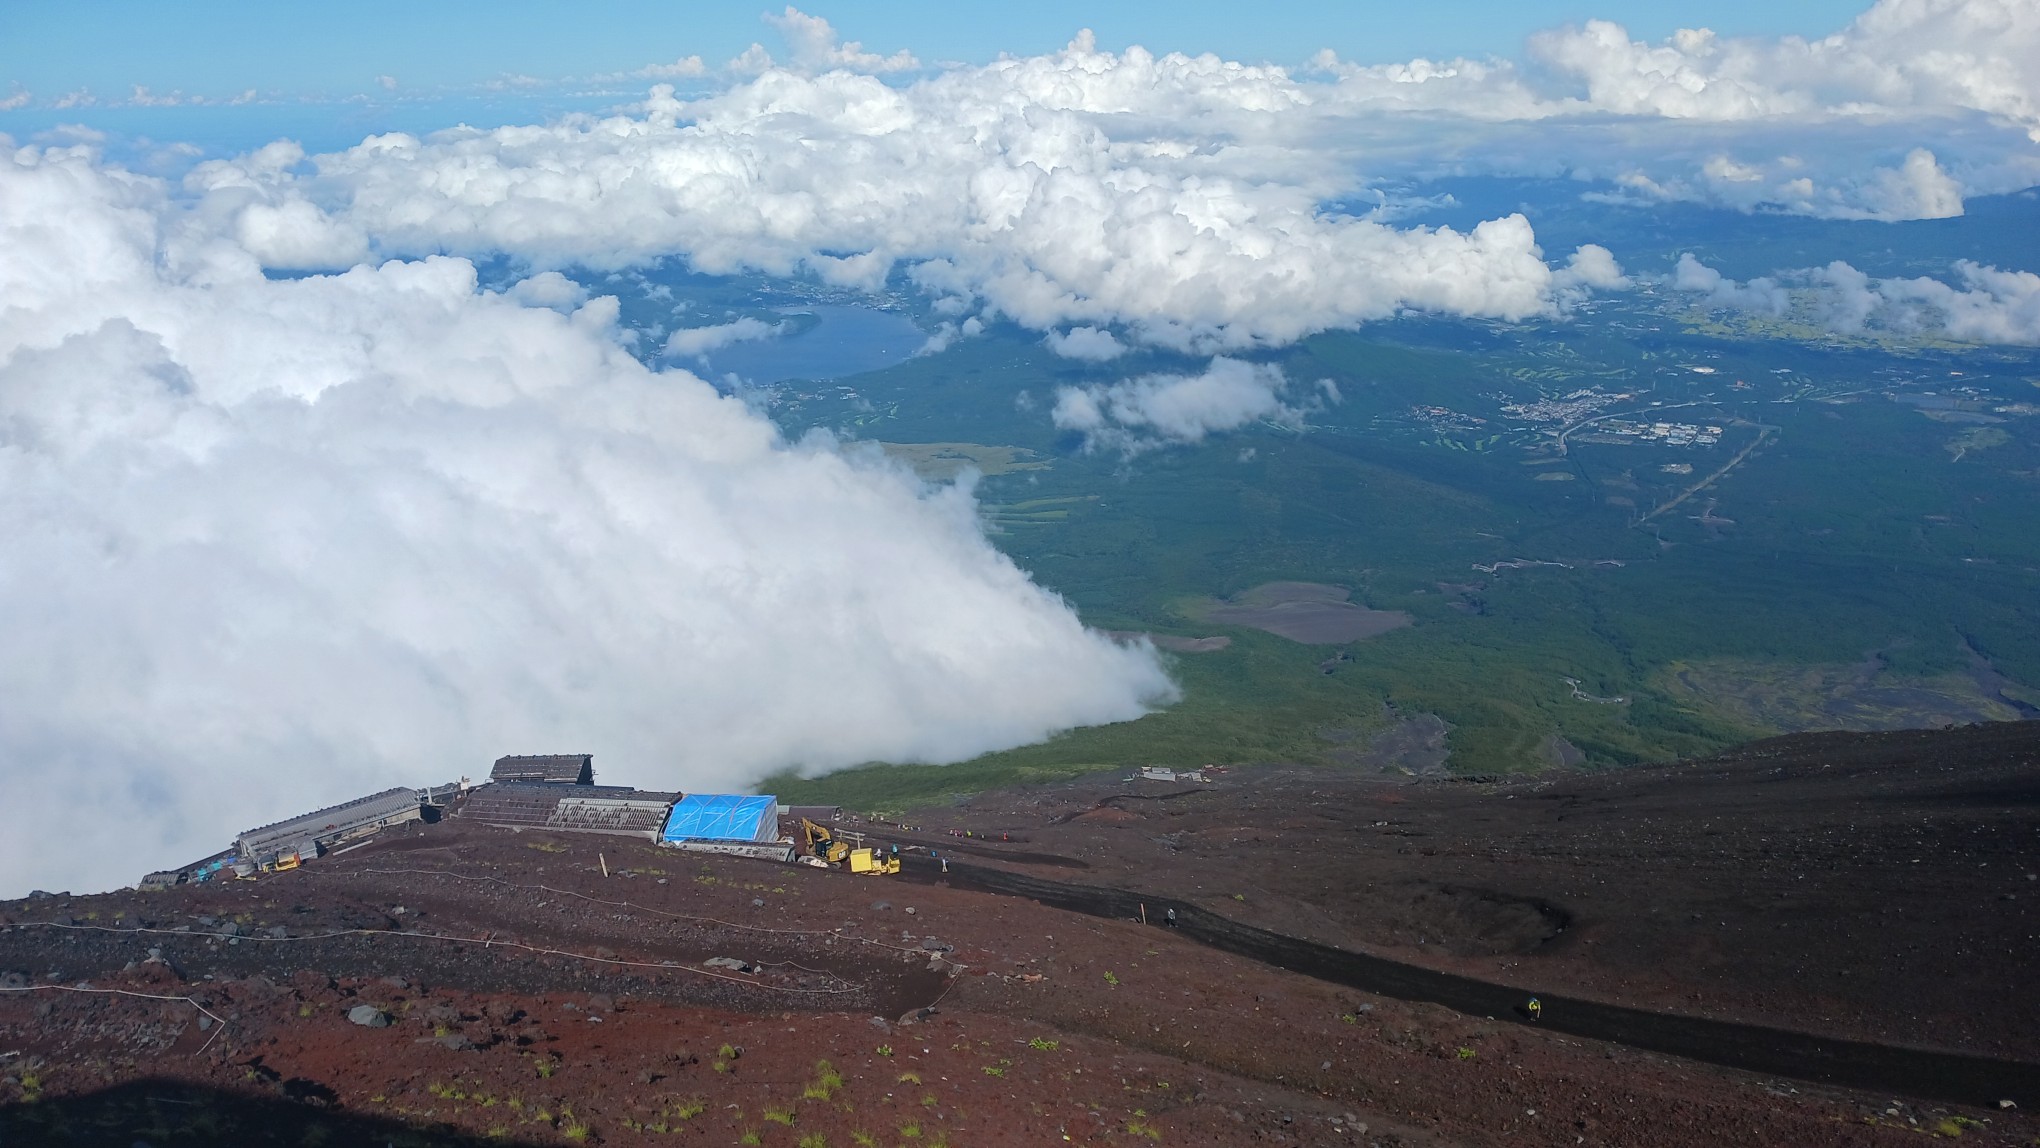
x,y
823,848
822,843
281,863
873,861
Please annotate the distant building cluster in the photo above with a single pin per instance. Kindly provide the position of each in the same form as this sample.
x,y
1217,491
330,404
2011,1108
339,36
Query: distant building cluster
x,y
1674,434
1567,408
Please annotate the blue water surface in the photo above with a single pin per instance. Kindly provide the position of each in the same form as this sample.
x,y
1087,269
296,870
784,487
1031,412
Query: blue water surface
x,y
848,340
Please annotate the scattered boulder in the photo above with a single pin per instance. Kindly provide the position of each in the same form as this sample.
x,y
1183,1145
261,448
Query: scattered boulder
x,y
728,963
881,905
368,1016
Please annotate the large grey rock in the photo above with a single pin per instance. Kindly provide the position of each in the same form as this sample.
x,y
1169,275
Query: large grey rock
x,y
368,1016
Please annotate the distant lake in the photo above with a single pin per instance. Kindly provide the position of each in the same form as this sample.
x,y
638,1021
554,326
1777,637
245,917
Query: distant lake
x,y
846,341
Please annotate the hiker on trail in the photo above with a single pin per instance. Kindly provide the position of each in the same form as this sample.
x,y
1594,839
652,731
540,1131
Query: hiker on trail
x,y
1171,918
945,864
1535,1008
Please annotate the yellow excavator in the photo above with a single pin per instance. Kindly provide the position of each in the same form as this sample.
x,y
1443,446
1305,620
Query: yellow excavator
x,y
823,846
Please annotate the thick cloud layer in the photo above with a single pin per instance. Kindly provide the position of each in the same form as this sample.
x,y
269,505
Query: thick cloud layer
x,y
272,544
1860,124
1168,197
1180,200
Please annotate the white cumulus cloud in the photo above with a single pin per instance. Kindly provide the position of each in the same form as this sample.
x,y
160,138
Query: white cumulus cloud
x,y
1154,410
275,543
816,47
1092,344
1761,294
1083,188
1808,126
1181,201
694,341
1982,305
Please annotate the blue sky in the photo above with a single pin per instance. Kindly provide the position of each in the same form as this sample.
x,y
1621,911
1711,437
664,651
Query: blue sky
x,y
222,47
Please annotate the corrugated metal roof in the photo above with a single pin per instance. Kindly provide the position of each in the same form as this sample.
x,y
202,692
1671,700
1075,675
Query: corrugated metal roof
x,y
530,804
571,768
334,818
723,817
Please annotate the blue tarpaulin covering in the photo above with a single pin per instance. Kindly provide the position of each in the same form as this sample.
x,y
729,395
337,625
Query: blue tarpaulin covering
x,y
723,817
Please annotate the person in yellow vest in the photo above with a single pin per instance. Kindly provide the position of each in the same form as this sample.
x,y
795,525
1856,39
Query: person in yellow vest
x,y
1535,1008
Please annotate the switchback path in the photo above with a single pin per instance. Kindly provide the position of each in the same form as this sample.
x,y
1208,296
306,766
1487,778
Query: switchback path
x,y
1947,1076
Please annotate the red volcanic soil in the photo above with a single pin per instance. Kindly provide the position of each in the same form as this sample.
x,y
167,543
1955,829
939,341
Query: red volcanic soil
x,y
1881,887
533,1000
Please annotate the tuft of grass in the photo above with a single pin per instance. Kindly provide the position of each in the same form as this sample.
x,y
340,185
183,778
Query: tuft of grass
x,y
750,1137
779,1116
1139,1128
813,1140
1040,1044
910,1131
994,1070
1465,1053
689,1109
1110,979
910,1078
885,1050
864,1140
545,1069
827,1081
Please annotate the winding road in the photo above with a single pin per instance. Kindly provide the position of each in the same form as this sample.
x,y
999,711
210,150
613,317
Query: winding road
x,y
1945,1076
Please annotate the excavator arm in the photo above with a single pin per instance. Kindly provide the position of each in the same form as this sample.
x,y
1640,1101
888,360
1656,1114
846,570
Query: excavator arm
x,y
822,843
